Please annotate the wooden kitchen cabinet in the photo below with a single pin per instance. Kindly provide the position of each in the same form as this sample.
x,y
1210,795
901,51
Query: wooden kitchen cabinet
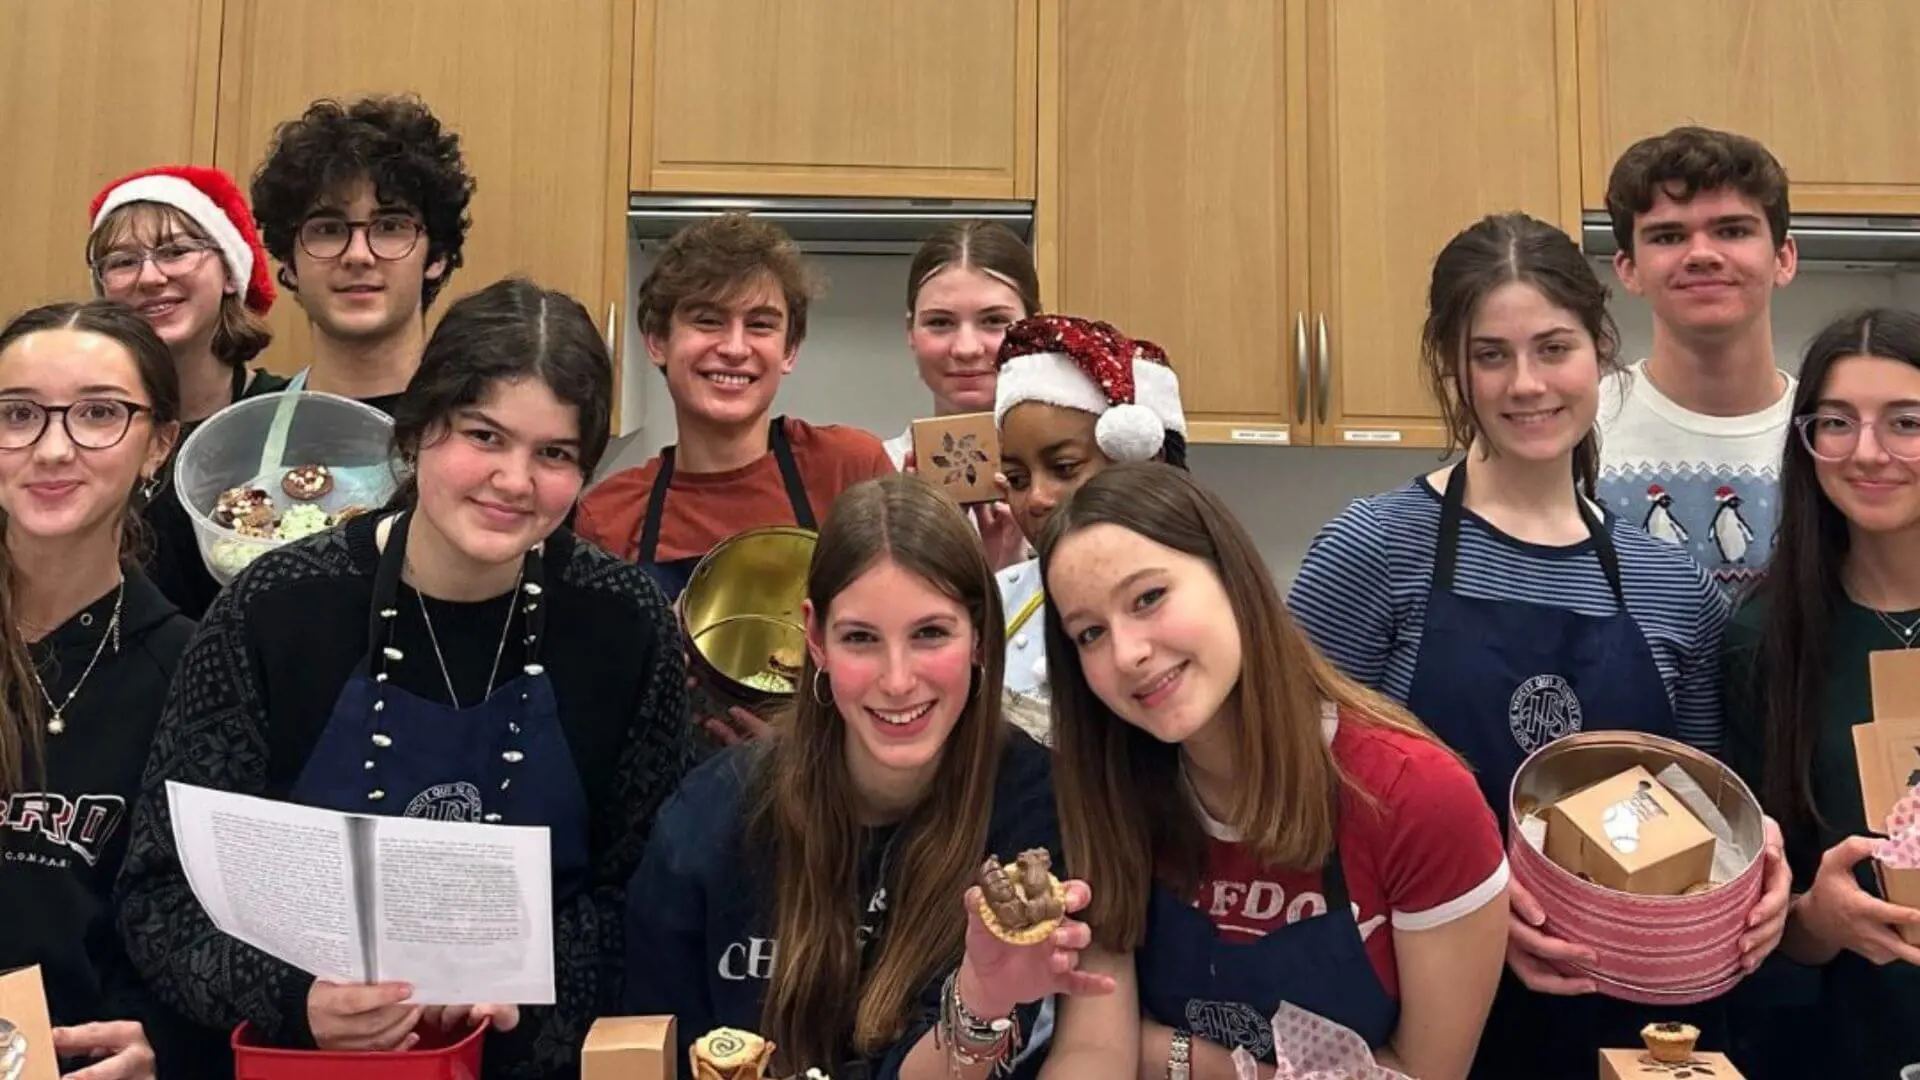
x,y
1177,198
1830,86
836,97
1423,120
539,93
1261,187
90,92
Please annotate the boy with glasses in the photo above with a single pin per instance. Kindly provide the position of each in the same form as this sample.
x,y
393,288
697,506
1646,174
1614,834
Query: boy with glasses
x,y
364,205
1691,436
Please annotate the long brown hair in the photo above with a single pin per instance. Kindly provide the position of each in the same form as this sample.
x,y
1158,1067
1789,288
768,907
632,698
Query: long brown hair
x,y
986,246
238,334
1492,252
1804,589
21,711
803,808
1124,815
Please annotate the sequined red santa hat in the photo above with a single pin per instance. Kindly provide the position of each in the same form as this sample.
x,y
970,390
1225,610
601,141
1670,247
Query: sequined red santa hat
x,y
211,200
1082,364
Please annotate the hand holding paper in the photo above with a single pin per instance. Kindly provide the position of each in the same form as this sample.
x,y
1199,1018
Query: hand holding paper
x,y
460,913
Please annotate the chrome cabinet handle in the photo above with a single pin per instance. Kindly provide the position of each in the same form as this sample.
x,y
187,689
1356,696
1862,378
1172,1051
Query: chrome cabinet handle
x,y
613,312
1300,367
1323,390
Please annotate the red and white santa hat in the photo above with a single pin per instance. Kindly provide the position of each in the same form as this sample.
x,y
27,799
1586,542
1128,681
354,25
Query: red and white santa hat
x,y
211,200
1082,364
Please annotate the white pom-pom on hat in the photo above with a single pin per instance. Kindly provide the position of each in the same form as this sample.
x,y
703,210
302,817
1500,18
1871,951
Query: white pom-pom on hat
x,y
1130,432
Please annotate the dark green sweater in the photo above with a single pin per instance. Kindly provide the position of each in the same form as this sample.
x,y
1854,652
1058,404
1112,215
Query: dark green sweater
x,y
1870,1014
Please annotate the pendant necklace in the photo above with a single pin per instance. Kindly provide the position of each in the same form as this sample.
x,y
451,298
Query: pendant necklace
x,y
56,719
1906,632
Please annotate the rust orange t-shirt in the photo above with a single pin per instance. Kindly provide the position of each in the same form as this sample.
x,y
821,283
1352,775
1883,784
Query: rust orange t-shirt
x,y
705,508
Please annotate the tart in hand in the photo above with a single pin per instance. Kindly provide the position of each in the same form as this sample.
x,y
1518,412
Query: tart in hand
x,y
1022,904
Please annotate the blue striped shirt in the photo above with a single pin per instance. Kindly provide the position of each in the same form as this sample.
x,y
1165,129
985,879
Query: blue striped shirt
x,y
1361,595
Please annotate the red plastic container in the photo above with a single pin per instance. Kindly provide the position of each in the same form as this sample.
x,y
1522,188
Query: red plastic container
x,y
1654,950
449,1055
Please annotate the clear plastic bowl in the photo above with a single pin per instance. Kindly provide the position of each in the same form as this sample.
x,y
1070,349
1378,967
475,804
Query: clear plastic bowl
x,y
230,449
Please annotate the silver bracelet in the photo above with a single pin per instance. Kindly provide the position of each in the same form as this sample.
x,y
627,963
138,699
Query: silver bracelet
x,y
972,1039
1179,1056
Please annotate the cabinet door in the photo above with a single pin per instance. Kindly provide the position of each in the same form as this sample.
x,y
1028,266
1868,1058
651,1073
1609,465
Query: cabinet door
x,y
1830,86
836,97
1425,119
89,92
539,93
1173,199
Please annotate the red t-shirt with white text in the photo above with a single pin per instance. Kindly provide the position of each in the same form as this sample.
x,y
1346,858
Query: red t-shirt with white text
x,y
1425,852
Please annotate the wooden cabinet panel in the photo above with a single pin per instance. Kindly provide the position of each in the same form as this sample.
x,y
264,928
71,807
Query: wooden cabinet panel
x,y
1424,119
88,92
837,97
539,92
1830,86
1173,197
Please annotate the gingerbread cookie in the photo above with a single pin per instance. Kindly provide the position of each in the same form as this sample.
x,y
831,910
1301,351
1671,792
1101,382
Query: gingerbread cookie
x,y
730,1054
307,482
237,502
1024,903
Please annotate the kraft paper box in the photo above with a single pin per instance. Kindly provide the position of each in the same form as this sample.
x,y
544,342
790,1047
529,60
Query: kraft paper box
x,y
1636,1065
1629,833
630,1048
959,454
1887,754
26,1032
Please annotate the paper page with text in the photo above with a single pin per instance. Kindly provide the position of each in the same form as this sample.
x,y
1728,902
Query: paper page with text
x,y
463,912
275,875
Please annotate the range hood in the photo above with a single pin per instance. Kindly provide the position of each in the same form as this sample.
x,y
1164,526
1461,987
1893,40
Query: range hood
x,y
1828,242
837,226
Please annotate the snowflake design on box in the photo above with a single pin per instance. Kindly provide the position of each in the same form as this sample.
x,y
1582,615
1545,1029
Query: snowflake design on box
x,y
959,459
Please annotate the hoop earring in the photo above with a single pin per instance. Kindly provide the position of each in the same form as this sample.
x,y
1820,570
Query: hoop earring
x,y
818,697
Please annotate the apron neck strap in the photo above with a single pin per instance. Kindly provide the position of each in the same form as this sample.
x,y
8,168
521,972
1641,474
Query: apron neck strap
x,y
1446,555
647,542
386,599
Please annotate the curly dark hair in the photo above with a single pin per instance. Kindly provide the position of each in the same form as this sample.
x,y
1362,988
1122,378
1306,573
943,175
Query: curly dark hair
x,y
394,141
1687,161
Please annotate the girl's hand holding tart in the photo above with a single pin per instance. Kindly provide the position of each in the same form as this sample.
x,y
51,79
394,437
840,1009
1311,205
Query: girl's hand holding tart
x,y
1021,944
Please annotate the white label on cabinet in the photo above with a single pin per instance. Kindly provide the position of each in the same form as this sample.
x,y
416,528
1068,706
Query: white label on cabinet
x,y
1352,435
1261,435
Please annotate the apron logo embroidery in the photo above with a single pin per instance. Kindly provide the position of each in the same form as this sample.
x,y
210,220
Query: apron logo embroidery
x,y
1230,1024
1543,709
459,801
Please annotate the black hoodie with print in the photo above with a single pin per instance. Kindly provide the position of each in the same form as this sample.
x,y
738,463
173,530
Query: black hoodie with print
x,y
63,836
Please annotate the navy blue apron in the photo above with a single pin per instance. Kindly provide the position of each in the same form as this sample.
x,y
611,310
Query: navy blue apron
x,y
672,575
1226,992
1497,680
504,761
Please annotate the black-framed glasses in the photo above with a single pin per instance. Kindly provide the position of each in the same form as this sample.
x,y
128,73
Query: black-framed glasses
x,y
1835,436
389,236
120,269
91,423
